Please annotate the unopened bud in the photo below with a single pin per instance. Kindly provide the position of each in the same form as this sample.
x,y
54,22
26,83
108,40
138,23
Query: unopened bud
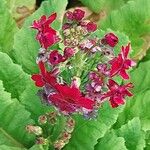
x,y
34,129
52,117
42,119
42,141
70,125
59,144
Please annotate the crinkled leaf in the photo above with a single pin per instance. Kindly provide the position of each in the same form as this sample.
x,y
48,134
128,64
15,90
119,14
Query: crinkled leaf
x,y
133,135
7,28
87,132
14,119
132,19
14,78
101,5
25,45
111,142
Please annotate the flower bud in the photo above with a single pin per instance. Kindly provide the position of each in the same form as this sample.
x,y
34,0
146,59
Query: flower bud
x,y
59,144
34,129
78,14
91,27
52,117
69,15
42,141
111,39
69,52
70,125
42,119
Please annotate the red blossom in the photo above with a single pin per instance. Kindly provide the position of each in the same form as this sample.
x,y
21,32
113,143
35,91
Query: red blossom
x,y
44,76
55,58
110,39
121,63
46,35
117,93
68,99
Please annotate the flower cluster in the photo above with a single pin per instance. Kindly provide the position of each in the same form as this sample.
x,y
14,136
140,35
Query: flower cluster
x,y
68,81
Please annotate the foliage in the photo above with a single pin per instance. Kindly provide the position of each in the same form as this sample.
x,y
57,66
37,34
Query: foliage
x,y
124,128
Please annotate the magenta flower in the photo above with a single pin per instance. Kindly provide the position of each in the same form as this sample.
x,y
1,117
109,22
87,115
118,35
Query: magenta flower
x,y
68,99
44,76
120,64
117,93
110,39
55,58
46,35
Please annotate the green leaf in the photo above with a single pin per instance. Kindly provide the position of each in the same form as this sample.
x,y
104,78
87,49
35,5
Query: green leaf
x,y
32,102
14,78
16,5
14,118
133,135
87,132
7,28
25,45
111,142
101,5
126,20
4,147
140,77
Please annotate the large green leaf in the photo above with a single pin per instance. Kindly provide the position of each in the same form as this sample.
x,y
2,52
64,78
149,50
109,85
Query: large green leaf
x,y
14,78
111,142
13,120
87,132
133,135
32,102
7,28
102,5
25,45
132,19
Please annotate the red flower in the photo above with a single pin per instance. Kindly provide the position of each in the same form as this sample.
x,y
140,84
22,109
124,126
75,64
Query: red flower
x,y
46,35
55,58
44,76
111,39
91,27
68,99
117,93
120,64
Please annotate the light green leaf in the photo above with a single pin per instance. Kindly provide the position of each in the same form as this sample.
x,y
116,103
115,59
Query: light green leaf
x,y
87,132
14,119
4,147
14,78
111,142
133,20
15,5
7,28
25,45
32,102
102,5
133,135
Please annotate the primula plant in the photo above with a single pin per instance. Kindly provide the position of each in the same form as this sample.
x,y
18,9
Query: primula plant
x,y
85,89
74,75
